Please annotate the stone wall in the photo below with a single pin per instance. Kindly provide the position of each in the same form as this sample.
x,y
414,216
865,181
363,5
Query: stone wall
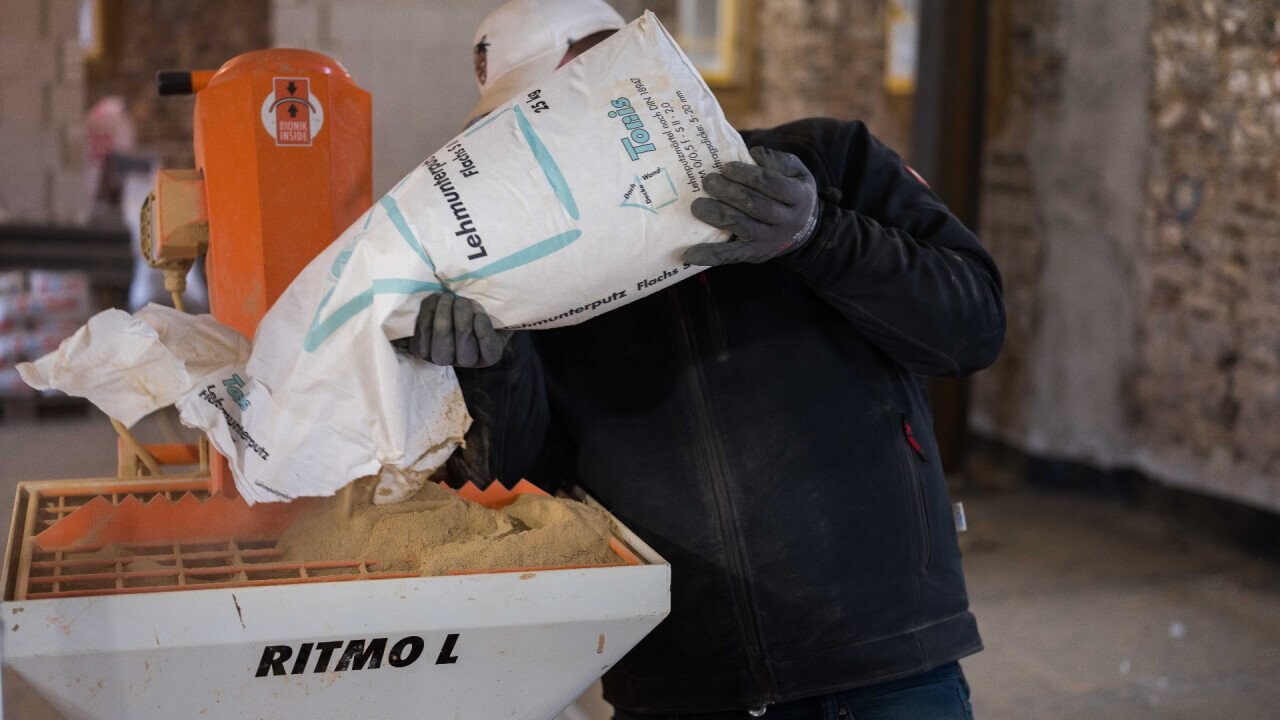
x,y
146,36
823,58
1208,387
807,58
1063,206
1026,69
1132,198
41,113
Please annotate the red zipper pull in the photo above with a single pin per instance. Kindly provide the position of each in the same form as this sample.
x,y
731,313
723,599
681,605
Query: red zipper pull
x,y
911,440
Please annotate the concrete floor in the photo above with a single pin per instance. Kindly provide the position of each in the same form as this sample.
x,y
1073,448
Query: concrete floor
x,y
1089,609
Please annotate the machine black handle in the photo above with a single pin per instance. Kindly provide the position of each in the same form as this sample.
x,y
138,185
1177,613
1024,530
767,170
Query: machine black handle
x,y
174,82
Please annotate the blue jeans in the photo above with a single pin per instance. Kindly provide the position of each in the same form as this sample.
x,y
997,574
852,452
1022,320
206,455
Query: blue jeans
x,y
939,694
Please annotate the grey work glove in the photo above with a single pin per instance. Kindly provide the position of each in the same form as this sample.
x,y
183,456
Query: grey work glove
x,y
455,331
771,208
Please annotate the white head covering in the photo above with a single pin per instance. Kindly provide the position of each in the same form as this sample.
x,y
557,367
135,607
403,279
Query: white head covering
x,y
522,42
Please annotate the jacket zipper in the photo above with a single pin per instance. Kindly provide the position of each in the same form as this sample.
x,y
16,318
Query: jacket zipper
x,y
717,466
719,338
917,488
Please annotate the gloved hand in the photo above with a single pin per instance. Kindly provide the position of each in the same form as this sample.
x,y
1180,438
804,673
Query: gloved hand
x,y
771,209
455,331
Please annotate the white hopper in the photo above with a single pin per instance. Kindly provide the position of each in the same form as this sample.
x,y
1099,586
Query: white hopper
x,y
519,644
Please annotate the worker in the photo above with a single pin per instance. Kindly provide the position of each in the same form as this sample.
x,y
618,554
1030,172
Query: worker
x,y
763,425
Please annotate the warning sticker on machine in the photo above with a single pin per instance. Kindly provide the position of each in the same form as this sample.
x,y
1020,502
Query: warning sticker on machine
x,y
291,114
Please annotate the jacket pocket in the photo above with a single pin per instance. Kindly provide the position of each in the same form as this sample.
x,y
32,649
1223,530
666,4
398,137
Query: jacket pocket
x,y
913,454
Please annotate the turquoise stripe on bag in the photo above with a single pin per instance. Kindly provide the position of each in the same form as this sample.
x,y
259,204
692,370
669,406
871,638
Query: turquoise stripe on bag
x,y
548,164
320,330
540,153
397,218
537,251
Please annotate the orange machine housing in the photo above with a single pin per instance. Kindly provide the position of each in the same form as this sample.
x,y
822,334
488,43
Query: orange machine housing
x,y
275,202
284,141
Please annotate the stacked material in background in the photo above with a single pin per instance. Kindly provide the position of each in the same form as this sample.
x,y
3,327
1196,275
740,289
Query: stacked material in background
x,y
38,310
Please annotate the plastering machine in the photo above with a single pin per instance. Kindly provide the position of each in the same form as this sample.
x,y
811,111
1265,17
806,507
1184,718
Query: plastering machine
x,y
160,593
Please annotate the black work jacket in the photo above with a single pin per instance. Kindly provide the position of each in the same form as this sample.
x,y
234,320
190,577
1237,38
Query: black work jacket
x,y
767,430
